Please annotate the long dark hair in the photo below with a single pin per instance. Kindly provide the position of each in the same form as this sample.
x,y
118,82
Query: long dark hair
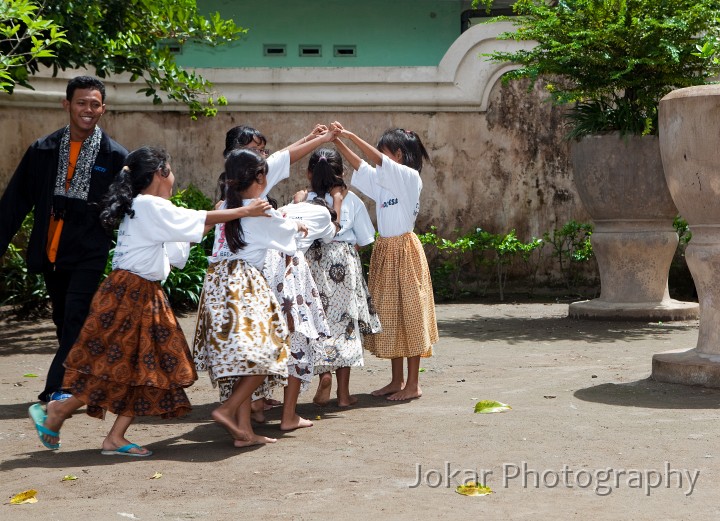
x,y
136,175
408,142
242,169
241,136
326,166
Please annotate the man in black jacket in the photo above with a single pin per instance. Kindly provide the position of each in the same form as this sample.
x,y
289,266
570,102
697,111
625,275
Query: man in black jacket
x,y
63,177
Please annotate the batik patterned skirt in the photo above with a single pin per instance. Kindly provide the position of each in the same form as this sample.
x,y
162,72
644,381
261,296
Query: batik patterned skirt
x,y
337,271
240,330
131,357
401,288
292,282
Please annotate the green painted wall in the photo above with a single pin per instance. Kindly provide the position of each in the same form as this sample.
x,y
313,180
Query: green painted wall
x,y
384,32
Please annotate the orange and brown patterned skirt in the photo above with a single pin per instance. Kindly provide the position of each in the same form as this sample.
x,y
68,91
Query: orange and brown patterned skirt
x,y
131,357
401,289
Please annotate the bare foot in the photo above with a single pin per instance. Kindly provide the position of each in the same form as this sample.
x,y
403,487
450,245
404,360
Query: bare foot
x,y
229,424
254,439
347,402
297,422
406,394
322,395
257,411
390,388
241,437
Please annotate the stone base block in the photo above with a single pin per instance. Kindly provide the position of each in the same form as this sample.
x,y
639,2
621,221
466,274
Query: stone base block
x,y
688,367
665,311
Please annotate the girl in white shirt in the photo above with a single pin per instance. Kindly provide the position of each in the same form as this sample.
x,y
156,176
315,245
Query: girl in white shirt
x,y
289,278
131,357
241,336
399,278
337,270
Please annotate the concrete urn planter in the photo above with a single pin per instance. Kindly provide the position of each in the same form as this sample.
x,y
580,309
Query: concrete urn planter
x,y
689,126
621,183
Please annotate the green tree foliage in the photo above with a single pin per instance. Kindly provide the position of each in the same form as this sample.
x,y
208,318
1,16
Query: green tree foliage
x,y
615,58
113,37
25,37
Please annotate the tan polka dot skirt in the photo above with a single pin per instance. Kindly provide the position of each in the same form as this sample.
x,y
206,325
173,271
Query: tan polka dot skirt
x,y
401,289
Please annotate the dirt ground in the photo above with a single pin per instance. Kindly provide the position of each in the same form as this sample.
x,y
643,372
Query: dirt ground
x,y
589,436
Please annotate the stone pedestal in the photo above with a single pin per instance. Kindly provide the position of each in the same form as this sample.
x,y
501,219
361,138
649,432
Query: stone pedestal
x,y
689,129
620,181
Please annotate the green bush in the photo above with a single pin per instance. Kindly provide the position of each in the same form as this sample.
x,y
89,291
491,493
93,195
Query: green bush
x,y
23,291
571,247
476,259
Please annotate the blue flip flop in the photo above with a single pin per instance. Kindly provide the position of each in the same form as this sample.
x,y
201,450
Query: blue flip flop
x,y
38,417
125,451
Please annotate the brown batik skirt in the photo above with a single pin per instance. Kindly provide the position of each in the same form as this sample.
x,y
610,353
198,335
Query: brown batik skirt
x,y
401,289
131,357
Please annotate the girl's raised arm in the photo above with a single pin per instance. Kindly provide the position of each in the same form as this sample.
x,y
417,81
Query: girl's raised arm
x,y
304,146
373,155
350,156
319,129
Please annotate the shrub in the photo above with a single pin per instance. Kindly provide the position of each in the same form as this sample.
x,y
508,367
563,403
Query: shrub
x,y
22,290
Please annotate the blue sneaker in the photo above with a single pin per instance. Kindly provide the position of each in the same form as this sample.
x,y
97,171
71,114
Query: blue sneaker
x,y
59,395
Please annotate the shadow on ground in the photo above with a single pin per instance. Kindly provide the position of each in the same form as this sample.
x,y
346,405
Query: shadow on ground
x,y
515,330
651,394
27,337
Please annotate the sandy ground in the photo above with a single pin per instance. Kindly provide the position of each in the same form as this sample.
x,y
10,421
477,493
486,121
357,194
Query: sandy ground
x,y
589,436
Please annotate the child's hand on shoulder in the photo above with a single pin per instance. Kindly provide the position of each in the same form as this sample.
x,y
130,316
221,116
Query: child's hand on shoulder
x,y
301,228
300,196
258,208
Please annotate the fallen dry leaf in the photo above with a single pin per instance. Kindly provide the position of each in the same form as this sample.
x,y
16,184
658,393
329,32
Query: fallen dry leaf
x,y
489,406
24,497
473,489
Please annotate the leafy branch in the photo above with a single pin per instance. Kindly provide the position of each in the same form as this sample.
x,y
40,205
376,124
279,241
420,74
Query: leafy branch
x,y
118,36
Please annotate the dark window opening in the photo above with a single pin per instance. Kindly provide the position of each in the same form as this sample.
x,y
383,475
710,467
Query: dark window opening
x,y
344,51
312,51
274,50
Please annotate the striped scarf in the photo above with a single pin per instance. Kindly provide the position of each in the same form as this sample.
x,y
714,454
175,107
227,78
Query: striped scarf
x,y
80,182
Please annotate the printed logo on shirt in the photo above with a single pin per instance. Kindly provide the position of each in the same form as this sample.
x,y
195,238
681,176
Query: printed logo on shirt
x,y
100,168
389,202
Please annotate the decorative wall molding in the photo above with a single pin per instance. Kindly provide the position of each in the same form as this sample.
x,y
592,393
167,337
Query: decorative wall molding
x,y
460,83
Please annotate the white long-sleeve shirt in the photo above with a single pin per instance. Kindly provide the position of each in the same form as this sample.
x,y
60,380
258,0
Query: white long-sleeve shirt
x,y
158,236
